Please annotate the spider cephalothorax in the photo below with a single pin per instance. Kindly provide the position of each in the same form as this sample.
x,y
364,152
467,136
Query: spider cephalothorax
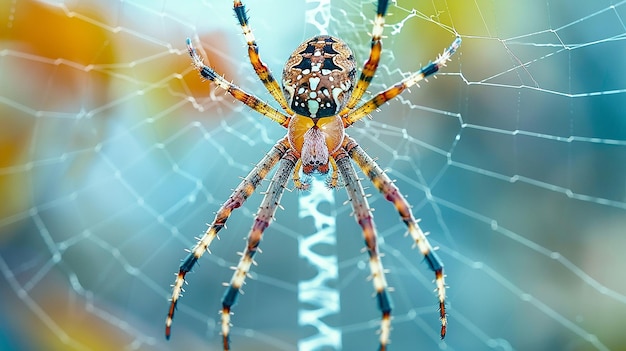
x,y
319,98
314,140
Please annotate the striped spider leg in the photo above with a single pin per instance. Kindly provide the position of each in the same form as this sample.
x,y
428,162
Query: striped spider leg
x,y
264,216
390,191
319,99
236,199
385,186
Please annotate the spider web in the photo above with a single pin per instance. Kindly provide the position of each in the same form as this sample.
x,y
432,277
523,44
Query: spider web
x,y
113,154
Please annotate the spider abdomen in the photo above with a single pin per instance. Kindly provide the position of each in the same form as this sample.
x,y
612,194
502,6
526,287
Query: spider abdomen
x,y
318,77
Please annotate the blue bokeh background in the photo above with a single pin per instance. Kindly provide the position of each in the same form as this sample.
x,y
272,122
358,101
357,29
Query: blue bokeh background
x,y
114,154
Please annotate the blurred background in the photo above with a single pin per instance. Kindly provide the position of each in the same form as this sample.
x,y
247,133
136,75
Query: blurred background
x,y
114,154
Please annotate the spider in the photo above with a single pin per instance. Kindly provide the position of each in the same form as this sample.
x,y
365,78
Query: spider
x,y
319,97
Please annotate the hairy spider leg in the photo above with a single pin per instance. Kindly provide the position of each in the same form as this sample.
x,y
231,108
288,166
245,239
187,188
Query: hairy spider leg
x,y
264,216
370,66
389,190
364,218
261,69
252,101
395,90
236,199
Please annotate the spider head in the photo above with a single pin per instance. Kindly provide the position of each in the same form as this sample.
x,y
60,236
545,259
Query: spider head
x,y
319,76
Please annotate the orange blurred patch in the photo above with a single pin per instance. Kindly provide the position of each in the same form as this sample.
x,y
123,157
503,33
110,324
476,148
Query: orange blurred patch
x,y
65,77
61,62
42,42
51,32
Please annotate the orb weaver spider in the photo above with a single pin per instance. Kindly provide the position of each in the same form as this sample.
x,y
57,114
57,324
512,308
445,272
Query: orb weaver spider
x,y
319,98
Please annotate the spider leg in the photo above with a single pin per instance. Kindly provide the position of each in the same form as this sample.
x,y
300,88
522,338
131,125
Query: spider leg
x,y
263,219
237,198
252,101
384,184
363,216
260,68
382,97
370,66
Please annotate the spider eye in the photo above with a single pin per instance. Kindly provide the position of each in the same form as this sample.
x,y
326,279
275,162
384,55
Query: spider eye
x,y
319,77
